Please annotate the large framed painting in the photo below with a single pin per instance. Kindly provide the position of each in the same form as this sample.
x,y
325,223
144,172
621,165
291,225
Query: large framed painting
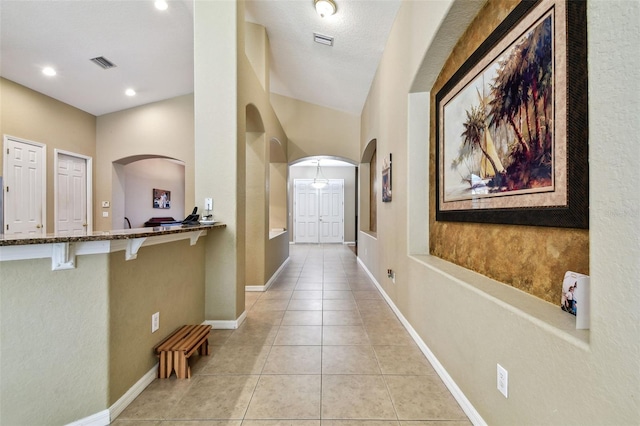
x,y
512,124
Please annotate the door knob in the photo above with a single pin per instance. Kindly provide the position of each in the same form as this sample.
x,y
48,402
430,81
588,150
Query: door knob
x,y
38,226
84,224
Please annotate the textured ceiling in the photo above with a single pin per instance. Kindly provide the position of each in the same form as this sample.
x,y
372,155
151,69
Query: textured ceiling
x,y
153,50
337,76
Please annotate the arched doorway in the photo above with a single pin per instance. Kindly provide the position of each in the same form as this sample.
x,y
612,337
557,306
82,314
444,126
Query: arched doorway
x,y
315,211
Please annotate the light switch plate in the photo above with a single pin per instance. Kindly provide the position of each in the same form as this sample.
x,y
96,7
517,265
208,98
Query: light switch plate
x,y
105,204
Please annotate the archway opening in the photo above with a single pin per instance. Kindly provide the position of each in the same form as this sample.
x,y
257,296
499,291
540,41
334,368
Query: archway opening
x,y
305,202
136,180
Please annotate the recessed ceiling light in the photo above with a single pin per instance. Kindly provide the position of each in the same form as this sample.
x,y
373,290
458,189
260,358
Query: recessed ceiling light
x,y
130,92
161,5
49,71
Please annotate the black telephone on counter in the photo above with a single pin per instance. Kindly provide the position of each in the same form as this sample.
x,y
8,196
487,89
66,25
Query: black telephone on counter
x,y
193,218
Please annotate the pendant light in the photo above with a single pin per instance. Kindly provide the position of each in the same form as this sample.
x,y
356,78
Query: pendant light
x,y
319,181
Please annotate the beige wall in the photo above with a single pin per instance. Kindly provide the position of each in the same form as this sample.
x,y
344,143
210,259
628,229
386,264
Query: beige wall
x,y
163,129
74,341
165,278
220,134
277,253
278,206
470,323
54,341
316,130
256,199
257,51
30,115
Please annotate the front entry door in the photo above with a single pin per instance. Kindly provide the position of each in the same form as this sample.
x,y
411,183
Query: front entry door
x,y
332,212
25,183
319,213
306,211
71,195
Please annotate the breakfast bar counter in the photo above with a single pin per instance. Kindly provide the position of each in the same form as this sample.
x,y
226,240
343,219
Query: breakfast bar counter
x,y
87,303
64,248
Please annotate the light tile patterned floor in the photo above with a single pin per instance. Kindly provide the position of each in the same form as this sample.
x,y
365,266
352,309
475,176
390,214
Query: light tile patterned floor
x,y
320,347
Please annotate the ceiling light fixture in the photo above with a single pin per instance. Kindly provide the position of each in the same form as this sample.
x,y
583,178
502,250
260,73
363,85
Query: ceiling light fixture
x,y
325,7
161,5
130,92
49,71
319,181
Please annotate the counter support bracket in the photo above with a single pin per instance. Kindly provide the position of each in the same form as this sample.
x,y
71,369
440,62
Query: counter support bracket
x,y
133,245
195,236
63,256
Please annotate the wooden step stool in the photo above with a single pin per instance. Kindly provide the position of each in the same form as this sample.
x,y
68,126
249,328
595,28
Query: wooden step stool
x,y
175,350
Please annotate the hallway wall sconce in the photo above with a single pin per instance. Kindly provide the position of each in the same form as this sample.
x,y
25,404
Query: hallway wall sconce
x,y
325,7
319,181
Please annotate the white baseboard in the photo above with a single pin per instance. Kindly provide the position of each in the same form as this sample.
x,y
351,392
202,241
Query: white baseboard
x,y
465,404
105,417
118,407
226,325
349,243
271,280
99,419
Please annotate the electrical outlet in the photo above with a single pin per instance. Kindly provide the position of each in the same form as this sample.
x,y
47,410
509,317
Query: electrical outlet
x,y
155,322
105,214
391,274
503,381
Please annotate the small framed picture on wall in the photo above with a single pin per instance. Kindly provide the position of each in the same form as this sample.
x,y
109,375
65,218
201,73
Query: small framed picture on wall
x,y
161,199
386,181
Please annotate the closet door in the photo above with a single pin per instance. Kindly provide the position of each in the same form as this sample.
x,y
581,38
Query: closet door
x,y
25,187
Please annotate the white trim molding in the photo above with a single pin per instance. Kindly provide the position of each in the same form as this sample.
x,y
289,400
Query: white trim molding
x,y
465,404
271,280
226,325
119,406
98,419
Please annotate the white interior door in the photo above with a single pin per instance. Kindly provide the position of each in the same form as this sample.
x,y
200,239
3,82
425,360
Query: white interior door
x,y
331,215
319,213
25,183
71,194
306,211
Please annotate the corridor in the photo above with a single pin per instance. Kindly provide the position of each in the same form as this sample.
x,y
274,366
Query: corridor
x,y
320,347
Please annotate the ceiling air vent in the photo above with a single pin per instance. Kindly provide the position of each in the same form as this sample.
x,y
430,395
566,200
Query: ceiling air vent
x,y
323,39
103,62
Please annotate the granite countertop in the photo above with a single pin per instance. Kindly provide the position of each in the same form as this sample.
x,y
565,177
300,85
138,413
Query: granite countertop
x,y
120,234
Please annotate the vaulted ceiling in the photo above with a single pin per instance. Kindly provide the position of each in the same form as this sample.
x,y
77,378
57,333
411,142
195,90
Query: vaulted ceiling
x,y
153,50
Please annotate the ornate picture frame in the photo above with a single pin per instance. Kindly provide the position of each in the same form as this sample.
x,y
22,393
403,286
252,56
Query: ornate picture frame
x,y
512,123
